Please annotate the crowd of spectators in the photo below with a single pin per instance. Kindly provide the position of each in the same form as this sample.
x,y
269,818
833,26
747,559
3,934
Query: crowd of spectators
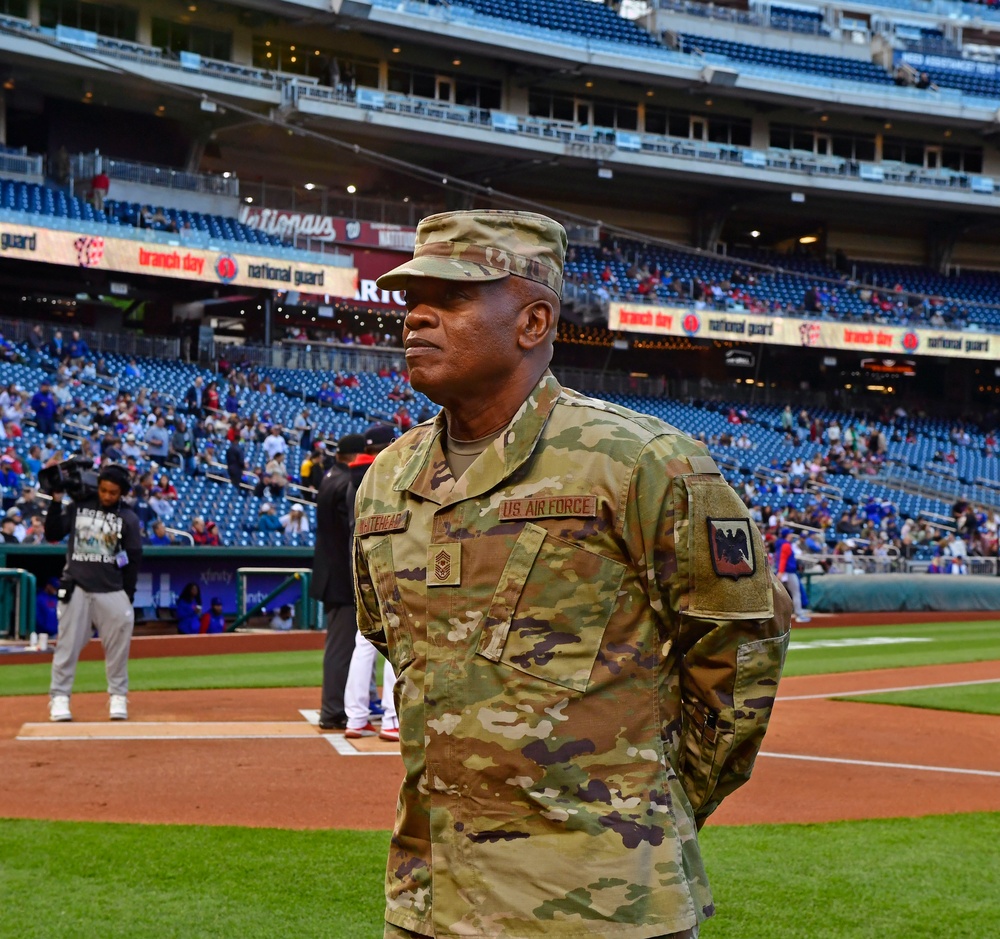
x,y
793,495
209,431
743,290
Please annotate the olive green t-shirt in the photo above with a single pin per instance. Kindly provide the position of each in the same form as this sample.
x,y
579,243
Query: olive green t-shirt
x,y
461,454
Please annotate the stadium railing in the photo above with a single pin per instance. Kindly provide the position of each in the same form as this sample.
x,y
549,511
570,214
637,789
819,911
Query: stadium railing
x,y
123,343
88,165
607,141
21,163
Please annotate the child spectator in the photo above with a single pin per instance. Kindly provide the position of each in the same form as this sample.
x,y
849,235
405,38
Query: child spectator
x,y
214,621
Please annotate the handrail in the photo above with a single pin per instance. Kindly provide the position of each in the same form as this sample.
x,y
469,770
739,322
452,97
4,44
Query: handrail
x,y
87,165
120,343
607,142
180,532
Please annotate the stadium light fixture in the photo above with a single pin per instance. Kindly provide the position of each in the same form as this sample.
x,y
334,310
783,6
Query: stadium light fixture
x,y
311,186
352,189
798,197
808,240
456,61
755,234
226,174
248,199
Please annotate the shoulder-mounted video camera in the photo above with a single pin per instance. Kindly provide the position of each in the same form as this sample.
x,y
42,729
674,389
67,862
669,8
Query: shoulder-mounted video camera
x,y
75,476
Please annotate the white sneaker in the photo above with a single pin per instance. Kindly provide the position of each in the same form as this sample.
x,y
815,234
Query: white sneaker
x,y
59,708
118,705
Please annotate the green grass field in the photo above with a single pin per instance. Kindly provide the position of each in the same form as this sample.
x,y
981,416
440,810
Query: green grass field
x,y
247,670
976,699
948,643
882,879
890,879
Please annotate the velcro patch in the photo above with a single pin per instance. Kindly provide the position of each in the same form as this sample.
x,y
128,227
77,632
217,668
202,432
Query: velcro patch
x,y
703,464
444,564
731,546
381,524
549,507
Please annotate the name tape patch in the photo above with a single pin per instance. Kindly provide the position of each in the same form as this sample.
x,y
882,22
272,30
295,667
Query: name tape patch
x,y
380,524
549,507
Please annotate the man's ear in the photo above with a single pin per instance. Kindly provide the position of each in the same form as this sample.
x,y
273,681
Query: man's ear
x,y
538,320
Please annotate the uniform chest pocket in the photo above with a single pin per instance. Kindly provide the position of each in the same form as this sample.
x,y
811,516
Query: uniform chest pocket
x,y
551,607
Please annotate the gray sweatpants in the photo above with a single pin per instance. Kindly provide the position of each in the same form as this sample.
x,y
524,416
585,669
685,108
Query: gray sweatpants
x,y
114,618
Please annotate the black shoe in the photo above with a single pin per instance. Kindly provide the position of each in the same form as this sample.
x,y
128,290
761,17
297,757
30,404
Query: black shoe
x,y
335,723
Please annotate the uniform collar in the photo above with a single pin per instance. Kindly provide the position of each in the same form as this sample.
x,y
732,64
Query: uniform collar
x,y
426,473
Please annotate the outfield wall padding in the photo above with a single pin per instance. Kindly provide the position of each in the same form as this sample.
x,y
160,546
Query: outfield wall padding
x,y
883,593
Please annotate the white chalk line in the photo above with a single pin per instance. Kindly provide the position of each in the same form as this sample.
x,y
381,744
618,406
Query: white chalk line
x,y
851,694
883,765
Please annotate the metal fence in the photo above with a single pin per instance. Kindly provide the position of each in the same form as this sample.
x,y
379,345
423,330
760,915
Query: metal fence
x,y
21,164
88,165
123,343
609,142
314,357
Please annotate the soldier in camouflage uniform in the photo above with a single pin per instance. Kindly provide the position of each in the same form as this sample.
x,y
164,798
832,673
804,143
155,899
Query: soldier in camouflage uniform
x,y
579,610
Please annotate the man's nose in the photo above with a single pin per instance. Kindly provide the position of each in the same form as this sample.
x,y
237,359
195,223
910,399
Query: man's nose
x,y
420,315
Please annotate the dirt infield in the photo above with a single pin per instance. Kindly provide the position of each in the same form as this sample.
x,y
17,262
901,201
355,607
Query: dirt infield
x,y
263,764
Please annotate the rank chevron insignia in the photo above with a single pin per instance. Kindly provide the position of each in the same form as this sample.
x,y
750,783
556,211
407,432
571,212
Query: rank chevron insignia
x,y
442,565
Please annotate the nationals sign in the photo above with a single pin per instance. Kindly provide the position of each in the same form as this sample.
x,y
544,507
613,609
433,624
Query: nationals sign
x,y
288,224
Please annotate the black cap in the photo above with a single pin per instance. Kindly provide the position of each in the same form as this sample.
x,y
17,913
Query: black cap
x,y
379,435
215,602
351,444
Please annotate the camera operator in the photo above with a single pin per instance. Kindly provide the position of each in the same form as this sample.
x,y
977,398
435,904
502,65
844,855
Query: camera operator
x,y
97,585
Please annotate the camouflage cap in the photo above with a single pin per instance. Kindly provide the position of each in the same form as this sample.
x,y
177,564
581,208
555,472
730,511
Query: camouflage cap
x,y
484,245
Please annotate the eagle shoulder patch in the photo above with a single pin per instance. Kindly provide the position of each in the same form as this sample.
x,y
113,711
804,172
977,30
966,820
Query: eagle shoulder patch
x,y
731,547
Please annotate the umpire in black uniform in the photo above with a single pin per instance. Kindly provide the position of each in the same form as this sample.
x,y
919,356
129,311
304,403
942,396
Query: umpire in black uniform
x,y
332,581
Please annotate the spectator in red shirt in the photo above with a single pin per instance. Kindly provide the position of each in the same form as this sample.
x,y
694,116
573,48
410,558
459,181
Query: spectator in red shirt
x,y
99,187
204,533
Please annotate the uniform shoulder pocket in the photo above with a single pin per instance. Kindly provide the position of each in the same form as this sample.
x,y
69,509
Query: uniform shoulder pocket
x,y
721,552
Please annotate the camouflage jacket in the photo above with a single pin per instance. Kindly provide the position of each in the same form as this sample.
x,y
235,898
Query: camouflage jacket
x,y
588,641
